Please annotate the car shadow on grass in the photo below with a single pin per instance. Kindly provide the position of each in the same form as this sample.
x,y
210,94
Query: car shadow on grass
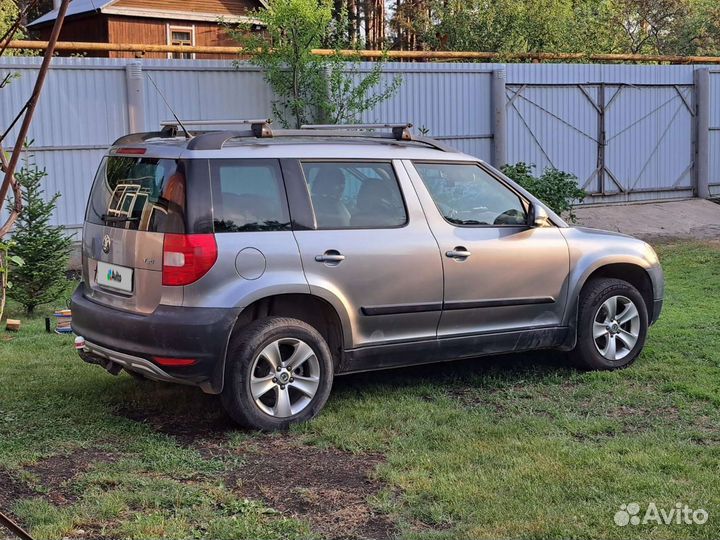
x,y
194,418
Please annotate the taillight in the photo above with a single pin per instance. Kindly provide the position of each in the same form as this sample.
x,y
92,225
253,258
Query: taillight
x,y
174,362
187,257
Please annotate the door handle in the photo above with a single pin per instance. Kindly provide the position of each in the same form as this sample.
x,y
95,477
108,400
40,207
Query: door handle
x,y
331,256
460,253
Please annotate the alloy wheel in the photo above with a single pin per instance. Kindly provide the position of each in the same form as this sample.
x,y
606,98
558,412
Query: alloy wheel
x,y
285,376
616,327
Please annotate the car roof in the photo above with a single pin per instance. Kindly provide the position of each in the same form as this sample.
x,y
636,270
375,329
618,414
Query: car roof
x,y
298,147
258,139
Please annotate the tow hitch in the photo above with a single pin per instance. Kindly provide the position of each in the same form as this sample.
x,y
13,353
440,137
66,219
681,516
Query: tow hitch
x,y
111,367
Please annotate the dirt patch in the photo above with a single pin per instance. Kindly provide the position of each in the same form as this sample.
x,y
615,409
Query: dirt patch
x,y
205,430
656,222
12,490
55,474
327,488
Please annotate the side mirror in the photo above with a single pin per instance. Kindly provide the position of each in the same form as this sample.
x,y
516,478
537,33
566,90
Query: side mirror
x,y
538,216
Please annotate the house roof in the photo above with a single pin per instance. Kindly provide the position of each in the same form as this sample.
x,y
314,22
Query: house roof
x,y
116,7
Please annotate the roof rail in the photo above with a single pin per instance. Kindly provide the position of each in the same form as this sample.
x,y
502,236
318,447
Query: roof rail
x,y
174,123
167,132
260,129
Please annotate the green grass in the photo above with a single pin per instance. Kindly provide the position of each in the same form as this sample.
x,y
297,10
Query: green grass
x,y
510,447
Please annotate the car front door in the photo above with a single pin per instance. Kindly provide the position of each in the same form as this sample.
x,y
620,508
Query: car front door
x,y
368,247
500,274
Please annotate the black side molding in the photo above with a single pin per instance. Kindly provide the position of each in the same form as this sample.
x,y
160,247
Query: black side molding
x,y
499,302
399,309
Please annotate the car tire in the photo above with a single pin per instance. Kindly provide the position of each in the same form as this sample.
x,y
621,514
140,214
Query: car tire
x,y
261,357
612,325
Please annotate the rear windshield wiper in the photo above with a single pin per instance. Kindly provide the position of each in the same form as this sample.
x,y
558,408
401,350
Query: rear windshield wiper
x,y
117,219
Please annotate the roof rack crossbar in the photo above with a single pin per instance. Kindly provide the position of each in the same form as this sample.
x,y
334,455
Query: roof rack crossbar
x,y
401,132
235,122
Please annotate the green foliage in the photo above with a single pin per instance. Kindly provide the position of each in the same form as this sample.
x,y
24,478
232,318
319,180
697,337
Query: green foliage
x,y
44,248
7,262
558,189
685,27
9,12
311,88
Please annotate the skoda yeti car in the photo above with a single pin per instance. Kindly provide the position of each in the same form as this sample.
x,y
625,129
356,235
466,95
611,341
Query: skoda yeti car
x,y
258,264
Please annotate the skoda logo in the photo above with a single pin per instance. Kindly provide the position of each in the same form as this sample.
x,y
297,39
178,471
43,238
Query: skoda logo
x,y
106,244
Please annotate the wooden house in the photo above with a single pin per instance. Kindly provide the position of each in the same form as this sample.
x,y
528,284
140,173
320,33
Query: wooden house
x,y
149,22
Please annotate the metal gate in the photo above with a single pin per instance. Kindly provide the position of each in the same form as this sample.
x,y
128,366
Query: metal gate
x,y
623,141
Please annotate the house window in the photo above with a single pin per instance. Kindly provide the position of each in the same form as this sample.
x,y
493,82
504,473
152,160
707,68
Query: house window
x,y
181,36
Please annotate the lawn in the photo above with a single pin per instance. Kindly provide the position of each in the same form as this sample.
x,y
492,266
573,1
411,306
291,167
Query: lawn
x,y
517,446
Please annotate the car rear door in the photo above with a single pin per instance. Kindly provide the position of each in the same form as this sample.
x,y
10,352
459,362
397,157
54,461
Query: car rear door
x,y
135,200
499,273
367,246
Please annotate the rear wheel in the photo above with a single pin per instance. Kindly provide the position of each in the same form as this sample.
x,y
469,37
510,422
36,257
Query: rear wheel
x,y
612,324
279,371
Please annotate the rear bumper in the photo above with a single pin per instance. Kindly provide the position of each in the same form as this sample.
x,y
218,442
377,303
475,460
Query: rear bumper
x,y
132,340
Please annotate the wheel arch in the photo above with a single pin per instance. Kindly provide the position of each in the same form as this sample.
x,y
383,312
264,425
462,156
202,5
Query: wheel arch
x,y
311,309
631,271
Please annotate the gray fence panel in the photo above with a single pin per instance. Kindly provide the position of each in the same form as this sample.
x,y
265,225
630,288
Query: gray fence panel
x,y
198,89
625,131
552,116
715,133
83,106
451,101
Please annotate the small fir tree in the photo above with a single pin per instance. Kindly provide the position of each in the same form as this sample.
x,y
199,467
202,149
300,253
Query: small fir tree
x,y
43,247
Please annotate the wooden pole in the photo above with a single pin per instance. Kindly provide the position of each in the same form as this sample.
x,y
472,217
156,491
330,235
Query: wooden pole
x,y
79,46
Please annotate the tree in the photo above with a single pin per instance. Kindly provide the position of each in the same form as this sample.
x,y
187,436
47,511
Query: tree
x,y
311,88
682,27
44,248
9,12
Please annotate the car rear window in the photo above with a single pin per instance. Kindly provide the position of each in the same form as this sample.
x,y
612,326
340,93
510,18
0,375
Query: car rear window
x,y
139,193
248,195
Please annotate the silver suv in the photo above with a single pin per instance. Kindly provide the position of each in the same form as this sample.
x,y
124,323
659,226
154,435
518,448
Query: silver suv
x,y
259,263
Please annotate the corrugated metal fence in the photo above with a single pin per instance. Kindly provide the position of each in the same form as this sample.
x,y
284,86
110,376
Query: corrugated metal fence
x,y
627,132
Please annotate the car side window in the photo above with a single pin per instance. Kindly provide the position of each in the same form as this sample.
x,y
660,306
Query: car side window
x,y
248,195
355,195
467,195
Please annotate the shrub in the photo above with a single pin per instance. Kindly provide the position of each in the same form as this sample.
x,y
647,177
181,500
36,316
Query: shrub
x,y
309,88
558,189
44,248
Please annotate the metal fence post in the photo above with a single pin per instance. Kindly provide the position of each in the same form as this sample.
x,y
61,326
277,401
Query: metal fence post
x,y
135,98
702,133
499,118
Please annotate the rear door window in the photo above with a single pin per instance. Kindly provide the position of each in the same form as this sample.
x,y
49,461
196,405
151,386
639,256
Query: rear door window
x,y
139,193
355,195
248,195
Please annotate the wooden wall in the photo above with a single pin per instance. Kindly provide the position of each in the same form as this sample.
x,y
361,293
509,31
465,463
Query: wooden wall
x,y
219,7
91,28
154,32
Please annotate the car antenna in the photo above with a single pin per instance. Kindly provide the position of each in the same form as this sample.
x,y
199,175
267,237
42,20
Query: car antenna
x,y
187,133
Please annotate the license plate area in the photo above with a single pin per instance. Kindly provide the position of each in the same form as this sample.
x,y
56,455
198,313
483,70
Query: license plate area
x,y
115,277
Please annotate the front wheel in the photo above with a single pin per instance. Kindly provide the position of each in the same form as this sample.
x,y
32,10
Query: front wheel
x,y
279,371
612,324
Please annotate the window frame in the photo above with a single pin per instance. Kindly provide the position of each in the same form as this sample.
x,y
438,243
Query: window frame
x,y
523,199
316,227
214,165
175,28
